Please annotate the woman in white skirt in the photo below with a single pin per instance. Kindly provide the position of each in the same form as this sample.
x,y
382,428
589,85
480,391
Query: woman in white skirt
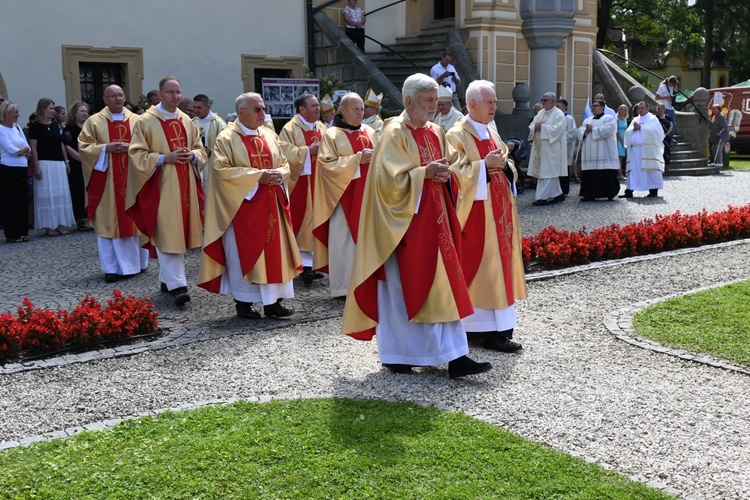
x,y
53,209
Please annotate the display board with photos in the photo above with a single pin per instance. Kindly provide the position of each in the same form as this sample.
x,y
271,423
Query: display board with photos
x,y
279,94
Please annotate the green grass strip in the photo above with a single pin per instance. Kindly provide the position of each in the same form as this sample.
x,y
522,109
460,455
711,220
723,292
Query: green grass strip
x,y
713,322
301,449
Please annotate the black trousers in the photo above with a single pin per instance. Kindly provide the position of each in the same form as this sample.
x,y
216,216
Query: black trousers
x,y
14,189
357,35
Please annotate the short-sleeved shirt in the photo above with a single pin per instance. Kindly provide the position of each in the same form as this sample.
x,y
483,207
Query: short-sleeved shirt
x,y
438,70
665,91
48,141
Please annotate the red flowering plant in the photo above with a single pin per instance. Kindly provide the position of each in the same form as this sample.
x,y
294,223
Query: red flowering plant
x,y
36,331
9,341
553,248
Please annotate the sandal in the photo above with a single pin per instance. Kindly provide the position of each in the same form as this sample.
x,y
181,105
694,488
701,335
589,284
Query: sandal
x,y
13,240
51,232
24,239
60,230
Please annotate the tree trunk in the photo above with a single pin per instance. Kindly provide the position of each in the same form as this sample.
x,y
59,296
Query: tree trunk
x,y
602,21
708,48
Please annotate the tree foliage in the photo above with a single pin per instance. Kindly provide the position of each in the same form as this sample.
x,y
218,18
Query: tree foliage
x,y
690,25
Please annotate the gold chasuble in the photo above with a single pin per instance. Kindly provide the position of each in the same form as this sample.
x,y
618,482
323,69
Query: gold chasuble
x,y
296,138
166,201
491,235
106,191
426,239
262,225
338,160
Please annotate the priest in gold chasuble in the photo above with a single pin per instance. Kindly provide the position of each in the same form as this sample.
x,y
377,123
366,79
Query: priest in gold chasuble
x,y
408,288
103,146
300,140
249,248
343,161
164,195
491,230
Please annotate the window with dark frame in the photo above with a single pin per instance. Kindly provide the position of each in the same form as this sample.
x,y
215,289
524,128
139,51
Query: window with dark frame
x,y
95,77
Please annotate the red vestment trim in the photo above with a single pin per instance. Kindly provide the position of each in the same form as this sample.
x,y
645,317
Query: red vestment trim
x,y
298,196
473,234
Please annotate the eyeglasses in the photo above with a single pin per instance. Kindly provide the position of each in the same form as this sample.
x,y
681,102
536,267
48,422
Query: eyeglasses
x,y
545,100
256,110
121,96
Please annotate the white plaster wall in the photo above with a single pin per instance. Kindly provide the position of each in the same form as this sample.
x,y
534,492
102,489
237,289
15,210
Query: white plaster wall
x,y
385,25
200,42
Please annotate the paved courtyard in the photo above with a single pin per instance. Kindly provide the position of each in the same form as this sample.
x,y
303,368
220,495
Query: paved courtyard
x,y
575,387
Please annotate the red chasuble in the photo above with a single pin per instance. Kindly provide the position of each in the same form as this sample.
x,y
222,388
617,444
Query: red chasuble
x,y
146,208
473,235
298,196
257,223
434,229
119,131
351,198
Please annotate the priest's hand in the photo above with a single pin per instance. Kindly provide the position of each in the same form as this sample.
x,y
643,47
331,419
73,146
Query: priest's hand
x,y
366,156
270,177
117,147
314,147
636,126
180,155
589,127
495,160
438,170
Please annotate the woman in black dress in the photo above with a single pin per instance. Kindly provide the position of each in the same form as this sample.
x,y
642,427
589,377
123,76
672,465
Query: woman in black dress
x,y
666,125
77,115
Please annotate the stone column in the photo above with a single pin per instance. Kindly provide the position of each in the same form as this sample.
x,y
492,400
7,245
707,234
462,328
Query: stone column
x,y
546,24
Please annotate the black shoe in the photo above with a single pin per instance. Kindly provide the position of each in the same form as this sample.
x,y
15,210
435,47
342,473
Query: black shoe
x,y
395,368
181,296
501,344
460,367
474,336
558,198
164,288
540,203
307,275
111,277
627,194
652,193
276,310
317,275
245,310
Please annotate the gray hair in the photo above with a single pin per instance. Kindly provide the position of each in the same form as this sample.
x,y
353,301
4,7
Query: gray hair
x,y
474,90
417,84
551,95
243,98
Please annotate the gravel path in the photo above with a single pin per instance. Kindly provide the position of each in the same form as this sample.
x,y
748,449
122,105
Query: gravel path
x,y
574,386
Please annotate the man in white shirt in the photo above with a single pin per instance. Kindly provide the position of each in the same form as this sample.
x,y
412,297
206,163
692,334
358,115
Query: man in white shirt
x,y
446,76
209,123
665,96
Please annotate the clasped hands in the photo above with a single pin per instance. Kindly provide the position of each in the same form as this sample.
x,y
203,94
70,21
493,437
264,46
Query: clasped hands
x,y
438,170
495,160
271,177
117,147
365,156
180,155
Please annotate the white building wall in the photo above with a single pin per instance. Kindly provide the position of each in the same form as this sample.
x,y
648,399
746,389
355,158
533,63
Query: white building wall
x,y
385,25
200,42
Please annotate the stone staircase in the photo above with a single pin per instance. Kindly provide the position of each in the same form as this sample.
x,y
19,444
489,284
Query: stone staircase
x,y
686,160
422,51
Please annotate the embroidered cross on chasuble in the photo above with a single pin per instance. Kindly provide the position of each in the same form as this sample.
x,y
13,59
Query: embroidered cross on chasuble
x,y
119,131
434,231
473,235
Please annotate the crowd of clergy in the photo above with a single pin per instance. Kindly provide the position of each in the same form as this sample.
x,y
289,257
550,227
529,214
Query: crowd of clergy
x,y
415,226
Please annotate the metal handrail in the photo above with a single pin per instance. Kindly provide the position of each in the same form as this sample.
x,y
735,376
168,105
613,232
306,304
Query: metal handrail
x,y
331,2
395,53
687,97
383,7
324,5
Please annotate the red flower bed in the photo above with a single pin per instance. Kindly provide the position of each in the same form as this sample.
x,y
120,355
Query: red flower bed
x,y
39,331
555,249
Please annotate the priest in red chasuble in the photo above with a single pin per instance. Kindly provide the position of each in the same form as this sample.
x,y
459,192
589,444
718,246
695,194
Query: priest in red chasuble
x,y
491,231
103,145
164,193
249,248
300,140
343,161
408,287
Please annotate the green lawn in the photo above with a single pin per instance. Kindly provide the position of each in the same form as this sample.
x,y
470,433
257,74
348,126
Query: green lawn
x,y
739,161
325,448
713,322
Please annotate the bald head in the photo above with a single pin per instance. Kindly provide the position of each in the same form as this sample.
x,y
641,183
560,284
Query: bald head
x,y
114,98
